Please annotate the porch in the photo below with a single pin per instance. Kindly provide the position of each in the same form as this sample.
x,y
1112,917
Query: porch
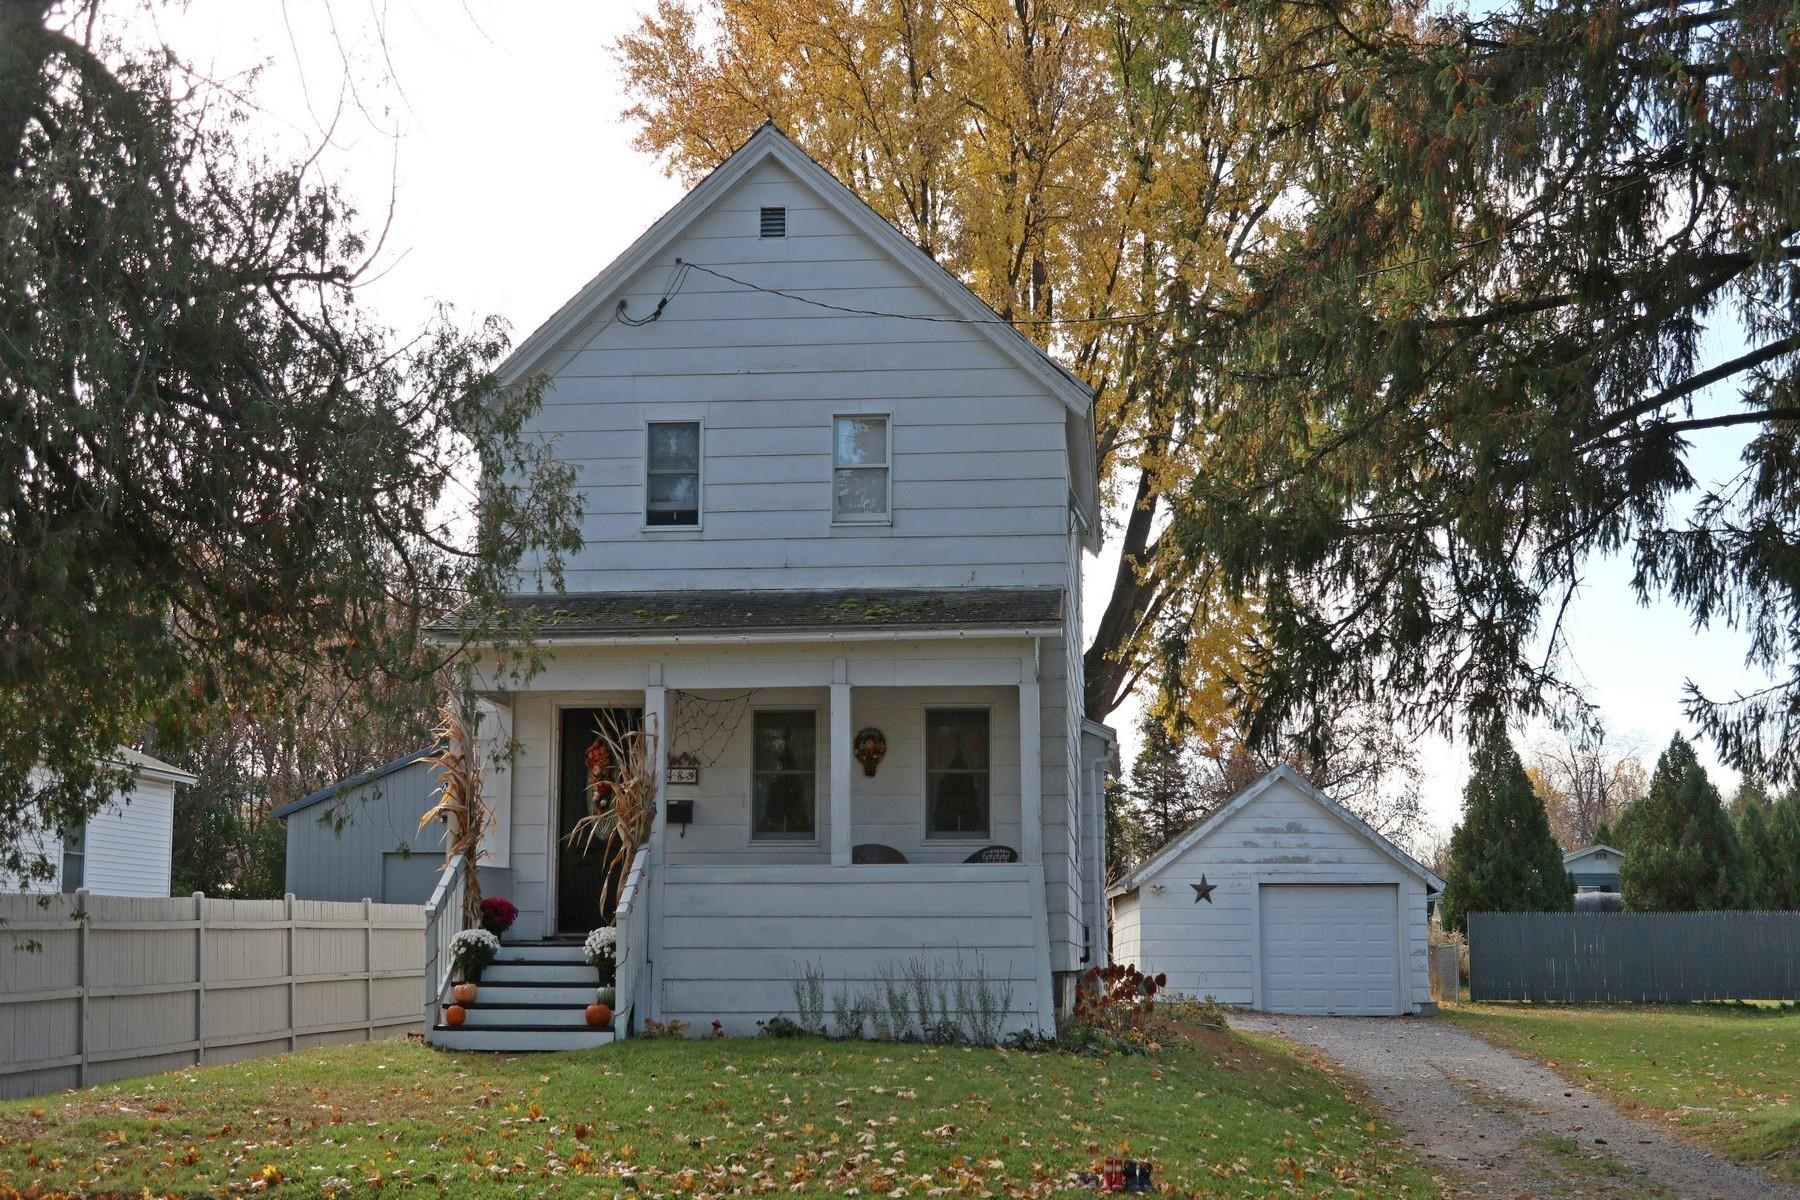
x,y
756,868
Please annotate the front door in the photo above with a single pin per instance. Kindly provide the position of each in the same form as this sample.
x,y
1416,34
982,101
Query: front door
x,y
580,864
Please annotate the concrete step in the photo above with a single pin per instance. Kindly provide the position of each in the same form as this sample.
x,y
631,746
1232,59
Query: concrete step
x,y
580,994
540,972
518,1039
487,1016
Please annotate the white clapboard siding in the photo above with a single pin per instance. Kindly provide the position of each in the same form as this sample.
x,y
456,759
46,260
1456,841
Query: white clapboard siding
x,y
735,939
765,374
146,984
891,687
1282,836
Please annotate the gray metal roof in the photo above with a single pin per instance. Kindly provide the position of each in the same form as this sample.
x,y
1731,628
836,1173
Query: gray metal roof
x,y
733,611
355,781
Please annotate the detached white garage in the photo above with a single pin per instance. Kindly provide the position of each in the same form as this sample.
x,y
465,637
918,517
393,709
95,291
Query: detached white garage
x,y
1282,901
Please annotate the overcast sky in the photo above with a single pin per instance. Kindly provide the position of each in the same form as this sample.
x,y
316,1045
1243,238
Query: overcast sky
x,y
496,132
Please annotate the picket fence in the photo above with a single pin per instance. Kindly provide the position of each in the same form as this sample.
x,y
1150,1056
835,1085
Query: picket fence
x,y
1665,958
97,988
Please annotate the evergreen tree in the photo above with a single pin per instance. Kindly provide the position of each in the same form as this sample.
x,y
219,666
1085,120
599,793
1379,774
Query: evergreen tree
x,y
1681,853
1165,792
1603,835
1124,848
1781,873
1503,857
216,462
1476,368
1758,843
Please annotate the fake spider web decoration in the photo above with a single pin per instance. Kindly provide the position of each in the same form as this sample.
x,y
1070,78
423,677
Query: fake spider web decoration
x,y
701,727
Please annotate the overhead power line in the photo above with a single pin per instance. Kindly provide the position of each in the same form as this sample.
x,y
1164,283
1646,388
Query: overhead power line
x,y
683,266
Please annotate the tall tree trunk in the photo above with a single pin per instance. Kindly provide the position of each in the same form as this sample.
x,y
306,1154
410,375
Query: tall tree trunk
x,y
1106,670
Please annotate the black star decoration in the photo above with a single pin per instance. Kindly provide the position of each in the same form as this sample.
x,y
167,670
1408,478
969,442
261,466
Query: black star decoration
x,y
1203,890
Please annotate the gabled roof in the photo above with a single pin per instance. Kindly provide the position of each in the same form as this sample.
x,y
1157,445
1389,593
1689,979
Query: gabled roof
x,y
149,767
770,144
1576,855
355,781
1283,773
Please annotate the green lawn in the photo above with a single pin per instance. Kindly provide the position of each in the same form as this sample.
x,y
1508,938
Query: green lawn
x,y
1729,1075
1219,1114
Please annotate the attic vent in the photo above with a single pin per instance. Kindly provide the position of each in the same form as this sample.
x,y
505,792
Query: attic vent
x,y
774,222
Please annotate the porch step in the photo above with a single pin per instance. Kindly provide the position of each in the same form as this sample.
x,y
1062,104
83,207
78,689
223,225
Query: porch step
x,y
496,1016
546,952
518,1038
502,971
534,993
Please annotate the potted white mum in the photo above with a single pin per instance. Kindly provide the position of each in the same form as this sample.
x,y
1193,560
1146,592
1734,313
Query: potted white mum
x,y
601,951
471,951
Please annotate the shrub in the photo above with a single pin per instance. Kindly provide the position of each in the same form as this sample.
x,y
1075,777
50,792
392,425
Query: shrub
x,y
809,998
920,1001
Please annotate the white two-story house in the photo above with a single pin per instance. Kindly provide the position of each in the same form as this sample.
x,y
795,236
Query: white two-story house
x,y
832,502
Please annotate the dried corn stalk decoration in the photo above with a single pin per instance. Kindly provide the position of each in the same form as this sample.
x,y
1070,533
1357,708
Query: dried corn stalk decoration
x,y
459,803
621,794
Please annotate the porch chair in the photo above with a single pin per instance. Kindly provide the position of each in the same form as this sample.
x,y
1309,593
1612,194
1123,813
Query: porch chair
x,y
875,852
994,854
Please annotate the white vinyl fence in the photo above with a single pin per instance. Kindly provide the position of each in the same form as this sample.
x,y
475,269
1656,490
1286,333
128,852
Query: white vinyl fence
x,y
96,988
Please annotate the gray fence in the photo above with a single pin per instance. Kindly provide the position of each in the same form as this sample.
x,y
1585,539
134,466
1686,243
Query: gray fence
x,y
1671,958
95,988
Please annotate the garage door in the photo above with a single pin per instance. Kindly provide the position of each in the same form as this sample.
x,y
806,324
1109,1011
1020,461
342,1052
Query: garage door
x,y
1330,949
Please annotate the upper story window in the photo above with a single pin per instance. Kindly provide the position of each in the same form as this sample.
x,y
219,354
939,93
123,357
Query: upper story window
x,y
861,467
672,474
784,775
956,773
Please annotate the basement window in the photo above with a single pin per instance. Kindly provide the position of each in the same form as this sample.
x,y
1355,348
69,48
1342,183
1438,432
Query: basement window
x,y
774,222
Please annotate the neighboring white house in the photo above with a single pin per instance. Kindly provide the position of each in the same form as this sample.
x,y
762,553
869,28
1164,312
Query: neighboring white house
x,y
830,499
1283,901
125,849
1595,868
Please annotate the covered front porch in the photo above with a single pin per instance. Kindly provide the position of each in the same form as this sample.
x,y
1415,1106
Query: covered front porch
x,y
777,851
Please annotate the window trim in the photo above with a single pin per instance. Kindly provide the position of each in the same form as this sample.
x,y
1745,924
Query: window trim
x,y
699,475
887,465
820,783
926,837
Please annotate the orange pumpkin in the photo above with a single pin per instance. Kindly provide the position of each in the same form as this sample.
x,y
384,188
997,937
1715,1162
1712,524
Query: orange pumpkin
x,y
454,1015
598,1015
464,993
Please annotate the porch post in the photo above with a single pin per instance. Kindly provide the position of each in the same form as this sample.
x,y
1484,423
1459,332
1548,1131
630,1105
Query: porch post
x,y
656,723
842,739
1031,763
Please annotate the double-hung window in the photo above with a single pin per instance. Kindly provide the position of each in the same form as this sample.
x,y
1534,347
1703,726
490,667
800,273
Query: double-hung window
x,y
956,773
860,469
672,474
74,858
784,786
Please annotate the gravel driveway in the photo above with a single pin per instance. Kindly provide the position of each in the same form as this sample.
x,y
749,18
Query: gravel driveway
x,y
1491,1123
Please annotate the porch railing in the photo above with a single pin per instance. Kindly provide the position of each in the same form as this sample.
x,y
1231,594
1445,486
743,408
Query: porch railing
x,y
631,919
443,921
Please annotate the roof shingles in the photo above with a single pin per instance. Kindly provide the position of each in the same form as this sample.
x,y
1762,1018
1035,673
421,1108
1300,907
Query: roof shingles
x,y
738,611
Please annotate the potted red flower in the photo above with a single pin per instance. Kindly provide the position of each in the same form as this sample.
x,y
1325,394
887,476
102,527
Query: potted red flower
x,y
497,914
